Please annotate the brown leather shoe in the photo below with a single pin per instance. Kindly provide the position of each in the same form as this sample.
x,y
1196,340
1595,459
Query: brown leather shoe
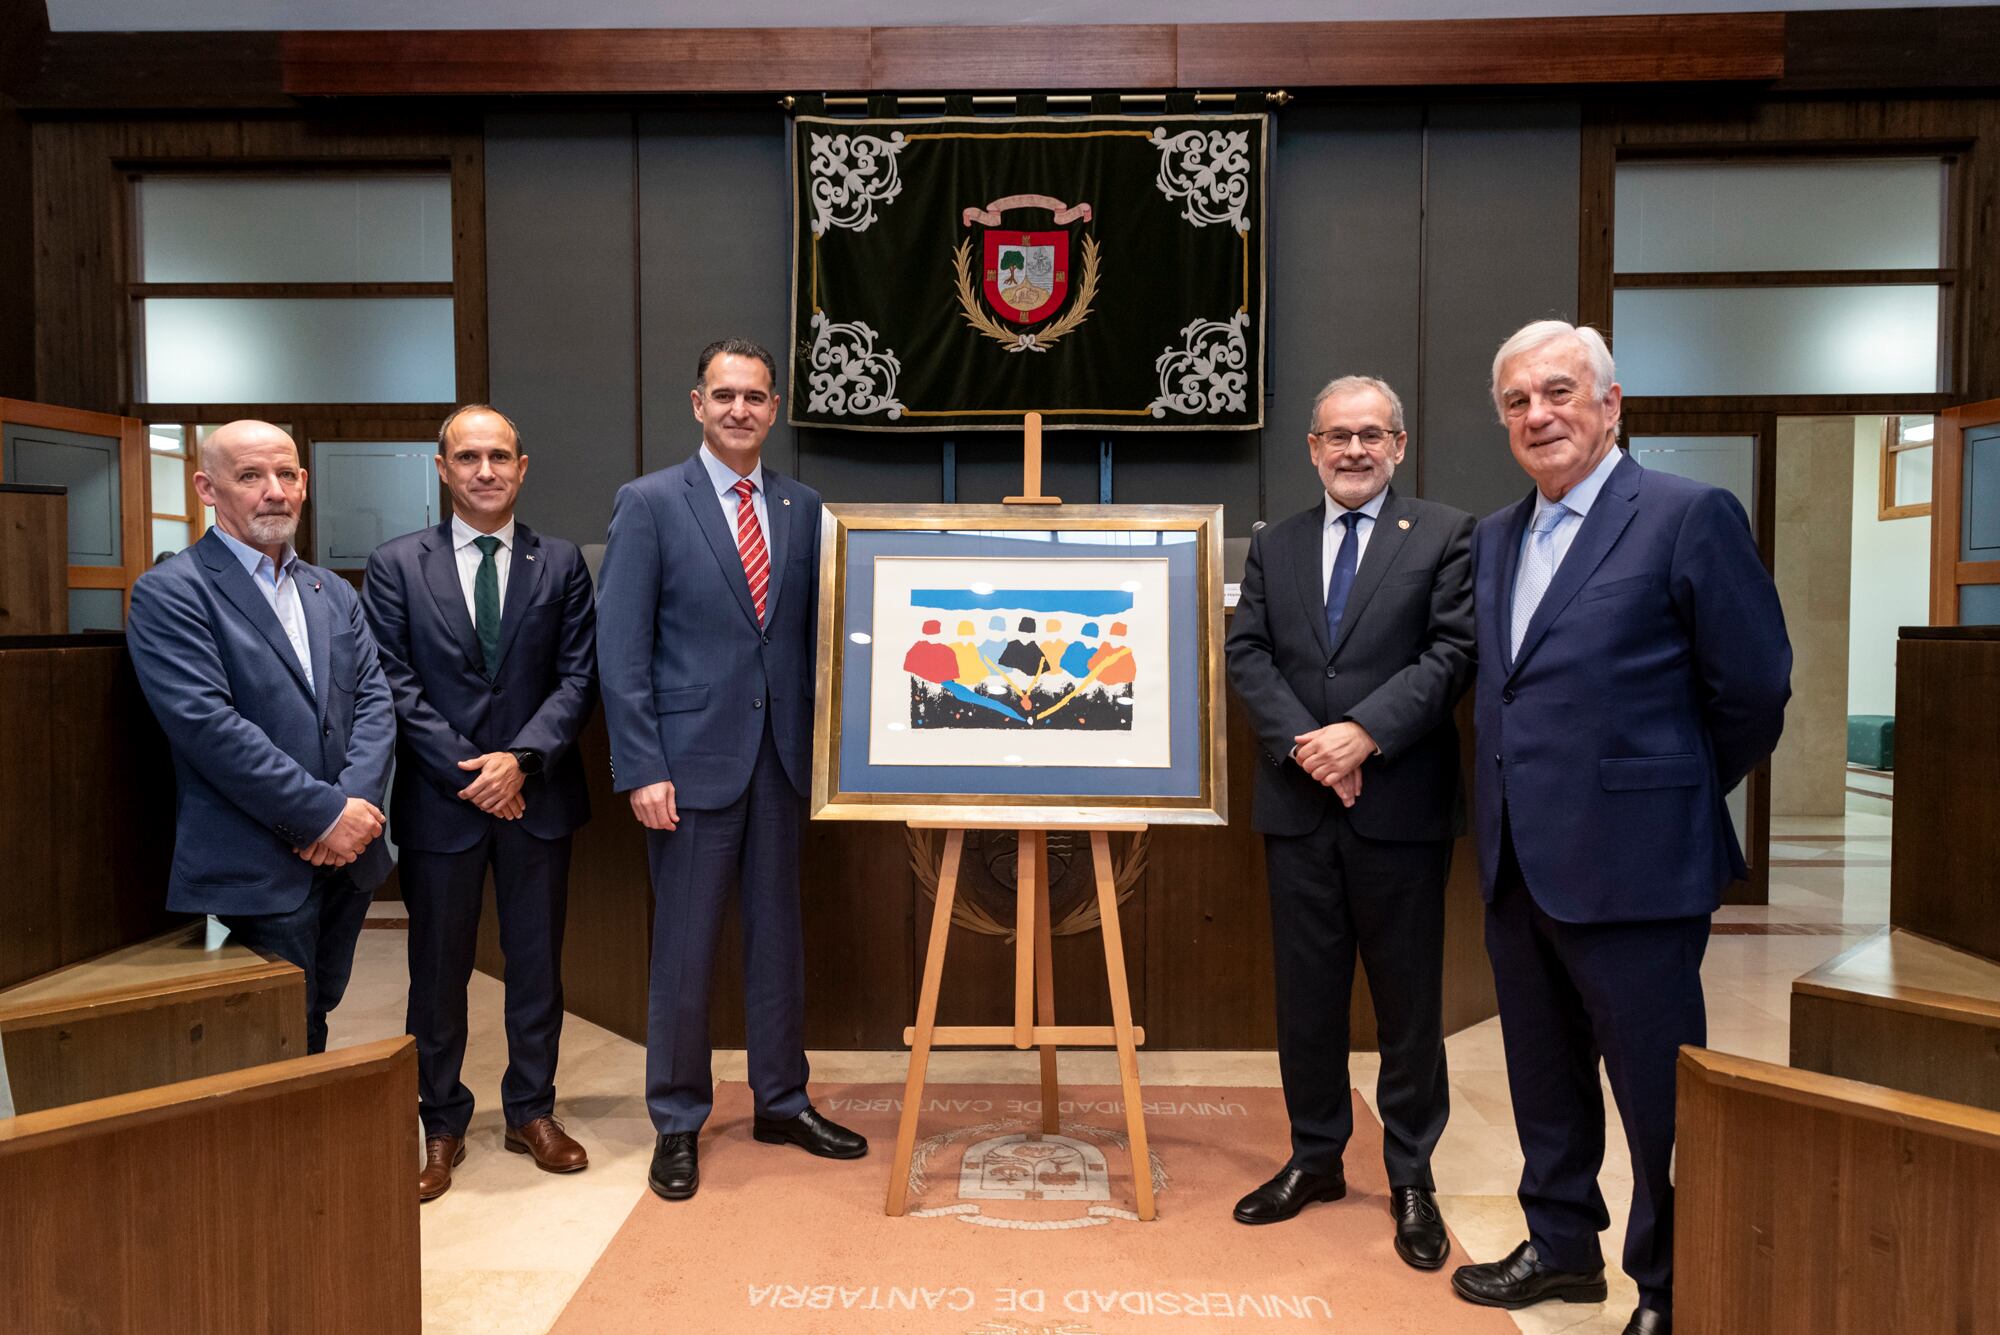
x,y
441,1155
552,1147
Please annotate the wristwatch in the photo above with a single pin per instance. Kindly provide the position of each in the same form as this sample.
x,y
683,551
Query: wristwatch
x,y
529,759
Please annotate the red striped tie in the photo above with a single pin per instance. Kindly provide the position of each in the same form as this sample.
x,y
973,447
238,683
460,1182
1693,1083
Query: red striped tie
x,y
750,546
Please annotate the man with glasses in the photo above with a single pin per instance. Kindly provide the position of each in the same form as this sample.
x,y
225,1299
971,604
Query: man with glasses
x,y
1351,644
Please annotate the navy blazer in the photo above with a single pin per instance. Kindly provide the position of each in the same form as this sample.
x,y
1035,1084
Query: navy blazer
x,y
1403,659
689,676
264,763
1652,678
449,710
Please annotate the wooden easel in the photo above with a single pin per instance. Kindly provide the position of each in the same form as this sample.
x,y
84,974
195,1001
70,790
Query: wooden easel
x,y
1034,959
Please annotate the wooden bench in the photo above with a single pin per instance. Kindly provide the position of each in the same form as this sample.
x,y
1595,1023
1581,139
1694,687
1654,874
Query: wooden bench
x,y
276,1198
1806,1203
1903,1011
185,1004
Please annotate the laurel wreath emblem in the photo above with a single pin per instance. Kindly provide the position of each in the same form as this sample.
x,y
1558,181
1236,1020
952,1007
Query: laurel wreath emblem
x,y
1040,340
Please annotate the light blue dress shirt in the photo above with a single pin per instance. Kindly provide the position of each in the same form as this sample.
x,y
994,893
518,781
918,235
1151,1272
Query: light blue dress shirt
x,y
274,580
1331,532
1577,505
725,478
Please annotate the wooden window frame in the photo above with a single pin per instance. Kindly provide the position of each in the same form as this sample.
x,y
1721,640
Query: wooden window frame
x,y
1892,446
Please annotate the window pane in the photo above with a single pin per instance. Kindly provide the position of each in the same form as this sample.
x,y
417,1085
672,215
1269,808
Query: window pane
x,y
169,486
366,492
1913,477
169,535
1678,217
1729,462
164,438
294,229
299,350
1777,340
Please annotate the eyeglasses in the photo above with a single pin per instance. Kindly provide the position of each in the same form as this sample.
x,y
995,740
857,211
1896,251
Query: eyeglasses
x,y
1372,438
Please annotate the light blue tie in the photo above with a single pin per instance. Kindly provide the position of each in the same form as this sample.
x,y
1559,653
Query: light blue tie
x,y
1538,569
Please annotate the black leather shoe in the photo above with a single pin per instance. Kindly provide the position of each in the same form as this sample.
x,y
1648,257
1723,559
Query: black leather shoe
x,y
812,1133
1420,1236
1288,1193
1521,1280
676,1169
1645,1321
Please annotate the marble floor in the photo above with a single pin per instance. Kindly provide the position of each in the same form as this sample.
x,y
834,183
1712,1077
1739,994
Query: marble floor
x,y
505,1248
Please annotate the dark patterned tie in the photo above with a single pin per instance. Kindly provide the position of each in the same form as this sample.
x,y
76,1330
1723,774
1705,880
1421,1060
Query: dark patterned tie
x,y
1344,562
486,603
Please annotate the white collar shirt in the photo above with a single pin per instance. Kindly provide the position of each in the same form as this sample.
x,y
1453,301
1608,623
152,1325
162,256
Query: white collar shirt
x,y
1331,531
724,479
468,555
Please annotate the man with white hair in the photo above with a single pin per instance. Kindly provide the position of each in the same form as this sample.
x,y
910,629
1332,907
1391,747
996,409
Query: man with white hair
x,y
1633,668
263,675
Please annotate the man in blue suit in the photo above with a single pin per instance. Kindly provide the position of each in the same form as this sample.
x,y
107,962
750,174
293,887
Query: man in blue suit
x,y
262,673
486,631
1633,668
710,604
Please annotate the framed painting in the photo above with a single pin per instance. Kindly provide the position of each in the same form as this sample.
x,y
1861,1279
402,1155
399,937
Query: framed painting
x,y
1038,665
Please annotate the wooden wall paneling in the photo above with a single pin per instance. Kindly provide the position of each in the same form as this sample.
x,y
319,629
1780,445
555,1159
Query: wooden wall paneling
x,y
139,71
1947,843
574,60
1806,1203
34,538
1129,55
1596,198
276,1198
17,252
1654,48
468,261
1891,48
860,906
30,936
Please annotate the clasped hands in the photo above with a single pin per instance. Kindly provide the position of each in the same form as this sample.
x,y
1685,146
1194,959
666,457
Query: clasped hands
x,y
496,790
1332,756
359,824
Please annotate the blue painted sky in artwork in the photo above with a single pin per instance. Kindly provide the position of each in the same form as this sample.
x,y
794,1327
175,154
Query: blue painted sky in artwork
x,y
1083,602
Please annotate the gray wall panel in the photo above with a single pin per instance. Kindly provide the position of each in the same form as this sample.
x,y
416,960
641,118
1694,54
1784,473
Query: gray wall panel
x,y
715,241
1347,195
1500,250
559,257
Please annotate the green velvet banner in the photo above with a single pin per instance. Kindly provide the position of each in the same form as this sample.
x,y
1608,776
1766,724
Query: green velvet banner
x,y
951,274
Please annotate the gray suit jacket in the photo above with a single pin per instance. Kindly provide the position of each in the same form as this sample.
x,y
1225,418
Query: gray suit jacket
x,y
1403,660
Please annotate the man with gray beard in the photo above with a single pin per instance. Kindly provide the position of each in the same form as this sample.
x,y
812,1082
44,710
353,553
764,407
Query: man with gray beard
x,y
263,674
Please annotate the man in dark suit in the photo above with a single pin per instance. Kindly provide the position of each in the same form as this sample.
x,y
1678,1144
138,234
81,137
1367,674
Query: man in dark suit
x,y
710,607
263,675
1633,668
1350,646
486,630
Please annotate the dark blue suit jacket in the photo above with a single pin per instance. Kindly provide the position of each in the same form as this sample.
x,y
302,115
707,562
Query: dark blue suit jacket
x,y
447,708
689,676
264,763
1652,678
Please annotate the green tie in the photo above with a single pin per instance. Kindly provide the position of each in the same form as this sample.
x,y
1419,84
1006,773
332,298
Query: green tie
x,y
486,603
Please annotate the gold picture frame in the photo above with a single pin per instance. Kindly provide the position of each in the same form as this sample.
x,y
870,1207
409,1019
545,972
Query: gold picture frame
x,y
831,801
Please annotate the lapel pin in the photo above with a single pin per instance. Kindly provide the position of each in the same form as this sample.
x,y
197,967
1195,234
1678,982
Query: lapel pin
x,y
315,586
528,556
1402,523
787,500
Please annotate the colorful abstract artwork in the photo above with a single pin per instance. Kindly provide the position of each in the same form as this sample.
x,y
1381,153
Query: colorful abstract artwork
x,y
1033,662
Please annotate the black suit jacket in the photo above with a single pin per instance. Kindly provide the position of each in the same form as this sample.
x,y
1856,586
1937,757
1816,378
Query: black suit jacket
x,y
1403,660
448,710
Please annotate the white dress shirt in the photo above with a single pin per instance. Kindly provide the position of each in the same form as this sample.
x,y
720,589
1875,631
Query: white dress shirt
x,y
469,556
274,580
724,479
1331,531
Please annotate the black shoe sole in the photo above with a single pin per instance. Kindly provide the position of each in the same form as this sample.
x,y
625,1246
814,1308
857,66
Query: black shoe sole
x,y
780,1138
1574,1293
1337,1192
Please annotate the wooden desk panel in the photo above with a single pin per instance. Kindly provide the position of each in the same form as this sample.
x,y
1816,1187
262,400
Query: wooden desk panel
x,y
1945,860
276,1198
1811,1205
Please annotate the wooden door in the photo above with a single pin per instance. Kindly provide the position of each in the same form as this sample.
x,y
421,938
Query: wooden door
x,y
101,459
1965,517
